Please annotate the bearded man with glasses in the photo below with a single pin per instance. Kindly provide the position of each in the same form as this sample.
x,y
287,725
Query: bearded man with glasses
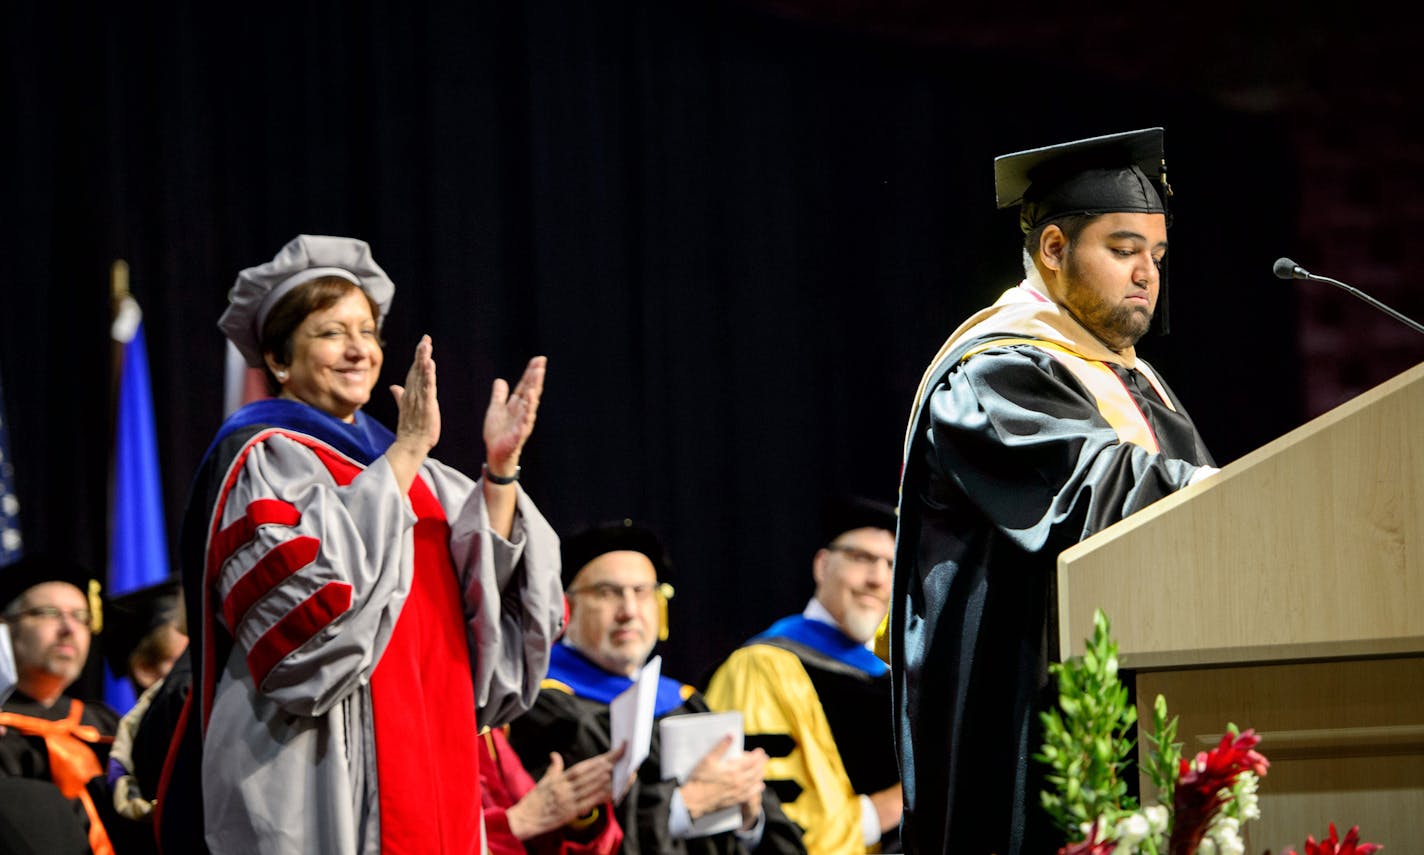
x,y
616,580
53,747
815,695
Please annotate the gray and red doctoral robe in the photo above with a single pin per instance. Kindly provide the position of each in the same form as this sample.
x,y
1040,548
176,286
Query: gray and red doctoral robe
x,y
349,641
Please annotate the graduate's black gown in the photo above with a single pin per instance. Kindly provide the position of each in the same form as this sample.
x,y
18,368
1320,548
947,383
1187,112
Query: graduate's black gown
x,y
1009,463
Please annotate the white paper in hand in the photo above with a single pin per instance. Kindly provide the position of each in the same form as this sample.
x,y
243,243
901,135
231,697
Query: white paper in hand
x,y
630,720
683,741
9,674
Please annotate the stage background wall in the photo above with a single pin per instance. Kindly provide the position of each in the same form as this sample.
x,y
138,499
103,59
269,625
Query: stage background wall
x,y
738,231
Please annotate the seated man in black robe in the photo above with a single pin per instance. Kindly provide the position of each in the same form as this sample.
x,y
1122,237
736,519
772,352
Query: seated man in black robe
x,y
1035,426
615,576
814,694
53,796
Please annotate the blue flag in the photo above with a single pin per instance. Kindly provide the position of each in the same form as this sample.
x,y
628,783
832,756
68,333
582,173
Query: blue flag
x,y
11,547
138,551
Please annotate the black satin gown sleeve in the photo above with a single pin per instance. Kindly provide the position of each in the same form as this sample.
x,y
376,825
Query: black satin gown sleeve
x,y
1019,436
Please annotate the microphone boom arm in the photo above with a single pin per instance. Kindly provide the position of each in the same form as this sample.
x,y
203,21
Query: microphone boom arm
x,y
1412,324
1284,268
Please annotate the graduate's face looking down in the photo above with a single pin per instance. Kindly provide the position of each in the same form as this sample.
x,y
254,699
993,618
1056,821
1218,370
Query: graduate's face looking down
x,y
49,628
1107,278
853,580
613,606
336,357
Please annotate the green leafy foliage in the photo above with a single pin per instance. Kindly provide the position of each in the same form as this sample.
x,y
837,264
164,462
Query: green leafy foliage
x,y
1087,741
1202,803
1162,762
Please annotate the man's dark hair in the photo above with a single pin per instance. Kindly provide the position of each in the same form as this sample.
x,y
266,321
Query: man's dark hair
x,y
1072,225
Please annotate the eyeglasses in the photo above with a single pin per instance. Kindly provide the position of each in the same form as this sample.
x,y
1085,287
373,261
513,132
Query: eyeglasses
x,y
607,593
79,616
857,555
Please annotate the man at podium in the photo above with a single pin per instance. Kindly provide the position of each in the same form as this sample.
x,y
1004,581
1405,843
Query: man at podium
x,y
1035,426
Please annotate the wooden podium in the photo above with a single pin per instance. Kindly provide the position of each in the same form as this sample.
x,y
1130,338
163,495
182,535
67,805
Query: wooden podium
x,y
1286,594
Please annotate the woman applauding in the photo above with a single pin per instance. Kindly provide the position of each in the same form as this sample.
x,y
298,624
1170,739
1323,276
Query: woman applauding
x,y
359,609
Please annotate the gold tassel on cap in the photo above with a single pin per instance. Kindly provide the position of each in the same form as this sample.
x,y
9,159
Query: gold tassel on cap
x,y
665,593
96,607
882,638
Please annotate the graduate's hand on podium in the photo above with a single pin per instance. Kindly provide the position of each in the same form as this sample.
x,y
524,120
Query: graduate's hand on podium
x,y
719,782
1202,472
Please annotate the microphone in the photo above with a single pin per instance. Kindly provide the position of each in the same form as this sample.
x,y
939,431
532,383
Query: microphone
x,y
1284,268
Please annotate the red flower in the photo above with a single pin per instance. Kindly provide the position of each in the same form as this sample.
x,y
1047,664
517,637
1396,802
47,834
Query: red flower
x,y
1200,782
1351,845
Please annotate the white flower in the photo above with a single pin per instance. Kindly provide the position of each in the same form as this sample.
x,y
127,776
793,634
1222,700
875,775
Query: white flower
x,y
1131,830
1249,804
1224,837
1157,816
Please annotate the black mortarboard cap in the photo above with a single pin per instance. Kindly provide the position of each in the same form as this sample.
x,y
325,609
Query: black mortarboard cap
x,y
35,568
846,512
578,549
1116,173
131,616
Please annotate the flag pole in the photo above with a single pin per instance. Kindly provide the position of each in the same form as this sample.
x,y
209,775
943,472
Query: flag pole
x,y
119,279
118,294
138,548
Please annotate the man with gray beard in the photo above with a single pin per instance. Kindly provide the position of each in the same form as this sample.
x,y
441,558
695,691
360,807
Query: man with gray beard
x,y
815,696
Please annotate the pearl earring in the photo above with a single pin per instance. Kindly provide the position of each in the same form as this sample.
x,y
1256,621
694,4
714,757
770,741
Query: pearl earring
x,y
282,376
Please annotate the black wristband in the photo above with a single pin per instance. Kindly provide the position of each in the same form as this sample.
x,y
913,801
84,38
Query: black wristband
x,y
500,480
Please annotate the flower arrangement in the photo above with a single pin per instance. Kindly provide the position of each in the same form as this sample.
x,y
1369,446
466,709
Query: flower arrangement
x,y
1088,744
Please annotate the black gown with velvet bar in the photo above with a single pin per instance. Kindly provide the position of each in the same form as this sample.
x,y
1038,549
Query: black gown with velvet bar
x,y
1010,461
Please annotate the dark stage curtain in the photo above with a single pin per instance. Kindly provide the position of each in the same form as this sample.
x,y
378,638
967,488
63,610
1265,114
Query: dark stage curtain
x,y
737,236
